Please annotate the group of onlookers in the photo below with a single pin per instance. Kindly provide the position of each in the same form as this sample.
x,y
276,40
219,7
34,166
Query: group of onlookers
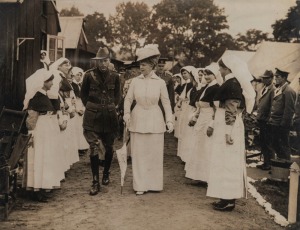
x,y
277,108
209,127
209,124
204,106
54,121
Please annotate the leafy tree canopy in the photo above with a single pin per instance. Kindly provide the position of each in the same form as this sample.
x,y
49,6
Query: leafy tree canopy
x,y
128,25
251,39
70,12
287,30
97,30
192,27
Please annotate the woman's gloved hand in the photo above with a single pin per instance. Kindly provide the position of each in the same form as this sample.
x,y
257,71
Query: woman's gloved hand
x,y
63,126
126,119
170,127
209,131
229,139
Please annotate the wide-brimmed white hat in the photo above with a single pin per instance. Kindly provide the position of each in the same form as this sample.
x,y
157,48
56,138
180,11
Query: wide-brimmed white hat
x,y
148,51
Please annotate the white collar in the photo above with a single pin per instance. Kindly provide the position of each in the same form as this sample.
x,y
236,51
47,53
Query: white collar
x,y
185,82
42,91
152,75
76,82
280,87
229,76
213,82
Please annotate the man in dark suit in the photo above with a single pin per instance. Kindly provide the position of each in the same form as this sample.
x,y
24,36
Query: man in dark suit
x,y
263,114
281,115
100,93
167,77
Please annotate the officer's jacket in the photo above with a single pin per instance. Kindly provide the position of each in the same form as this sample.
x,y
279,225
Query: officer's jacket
x,y
170,87
283,106
264,103
100,93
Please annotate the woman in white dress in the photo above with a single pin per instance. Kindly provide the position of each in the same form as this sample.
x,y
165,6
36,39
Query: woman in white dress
x,y
227,175
177,110
43,153
67,94
146,122
62,88
187,95
197,165
76,84
44,61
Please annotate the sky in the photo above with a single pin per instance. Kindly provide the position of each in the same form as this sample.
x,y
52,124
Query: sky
x,y
242,14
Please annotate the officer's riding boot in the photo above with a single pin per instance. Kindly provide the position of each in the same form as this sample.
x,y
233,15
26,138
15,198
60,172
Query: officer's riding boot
x,y
95,171
108,160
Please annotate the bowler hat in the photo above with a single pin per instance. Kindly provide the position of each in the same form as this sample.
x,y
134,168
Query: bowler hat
x,y
102,53
267,74
281,73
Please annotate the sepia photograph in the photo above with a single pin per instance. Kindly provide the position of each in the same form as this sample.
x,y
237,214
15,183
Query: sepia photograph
x,y
146,115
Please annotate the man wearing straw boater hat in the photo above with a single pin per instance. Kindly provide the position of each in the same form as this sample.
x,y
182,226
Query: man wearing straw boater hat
x,y
100,93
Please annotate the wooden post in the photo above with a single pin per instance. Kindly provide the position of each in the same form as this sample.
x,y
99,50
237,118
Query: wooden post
x,y
293,194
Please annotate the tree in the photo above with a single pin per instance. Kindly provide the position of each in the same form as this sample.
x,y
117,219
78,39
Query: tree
x,y
251,39
287,30
222,42
129,26
70,12
97,30
190,27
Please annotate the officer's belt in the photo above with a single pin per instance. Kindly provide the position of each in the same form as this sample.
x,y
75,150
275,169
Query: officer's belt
x,y
102,101
99,106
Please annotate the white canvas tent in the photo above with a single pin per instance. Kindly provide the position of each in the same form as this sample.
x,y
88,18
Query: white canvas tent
x,y
244,55
271,55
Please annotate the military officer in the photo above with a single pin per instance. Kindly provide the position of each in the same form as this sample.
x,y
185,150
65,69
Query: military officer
x,y
281,115
100,93
263,114
167,77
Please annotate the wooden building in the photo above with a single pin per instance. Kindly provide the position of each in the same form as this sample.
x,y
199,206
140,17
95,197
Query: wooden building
x,y
27,26
75,41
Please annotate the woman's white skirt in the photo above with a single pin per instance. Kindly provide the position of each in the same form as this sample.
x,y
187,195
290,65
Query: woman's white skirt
x,y
177,112
197,165
186,133
82,143
227,173
147,161
70,143
44,168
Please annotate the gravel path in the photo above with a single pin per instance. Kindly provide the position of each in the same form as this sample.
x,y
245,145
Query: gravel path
x,y
182,205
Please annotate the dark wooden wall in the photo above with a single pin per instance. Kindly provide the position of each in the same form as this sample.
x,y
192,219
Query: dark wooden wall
x,y
34,19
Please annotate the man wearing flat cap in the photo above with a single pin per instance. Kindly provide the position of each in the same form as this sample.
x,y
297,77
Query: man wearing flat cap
x,y
263,114
281,115
100,93
167,77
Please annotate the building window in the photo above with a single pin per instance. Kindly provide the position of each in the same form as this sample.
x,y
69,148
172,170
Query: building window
x,y
55,47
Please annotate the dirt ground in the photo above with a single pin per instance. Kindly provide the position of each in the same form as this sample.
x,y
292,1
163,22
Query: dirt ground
x,y
182,204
